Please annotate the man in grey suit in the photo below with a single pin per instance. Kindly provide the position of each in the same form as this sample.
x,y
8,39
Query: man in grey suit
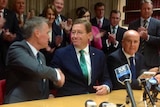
x,y
149,30
27,73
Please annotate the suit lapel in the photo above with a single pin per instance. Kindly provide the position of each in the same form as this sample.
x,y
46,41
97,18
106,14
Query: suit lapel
x,y
93,61
74,59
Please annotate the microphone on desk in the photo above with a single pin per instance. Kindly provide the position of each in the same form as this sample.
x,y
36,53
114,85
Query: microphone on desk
x,y
149,83
123,75
90,103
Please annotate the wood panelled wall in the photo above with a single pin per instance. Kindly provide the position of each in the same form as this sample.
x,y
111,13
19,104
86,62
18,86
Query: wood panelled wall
x,y
70,6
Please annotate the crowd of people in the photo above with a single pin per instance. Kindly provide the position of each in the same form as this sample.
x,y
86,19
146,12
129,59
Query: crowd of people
x,y
48,52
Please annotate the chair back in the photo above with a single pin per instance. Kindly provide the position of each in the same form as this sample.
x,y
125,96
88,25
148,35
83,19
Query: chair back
x,y
2,90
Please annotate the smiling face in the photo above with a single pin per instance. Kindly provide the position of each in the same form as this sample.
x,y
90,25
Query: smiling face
x,y
79,36
59,5
130,42
50,15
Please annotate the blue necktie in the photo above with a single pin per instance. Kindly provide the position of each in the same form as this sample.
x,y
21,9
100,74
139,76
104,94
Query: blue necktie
x,y
83,64
38,58
132,67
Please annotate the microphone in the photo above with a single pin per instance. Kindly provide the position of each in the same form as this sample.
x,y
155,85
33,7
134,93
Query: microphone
x,y
90,103
149,83
123,75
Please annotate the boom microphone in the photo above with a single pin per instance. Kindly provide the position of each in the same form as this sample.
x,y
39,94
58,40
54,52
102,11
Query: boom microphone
x,y
123,75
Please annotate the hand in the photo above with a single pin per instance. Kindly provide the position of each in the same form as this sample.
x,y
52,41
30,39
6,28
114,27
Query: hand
x,y
58,40
111,38
8,36
60,82
143,33
68,25
2,21
158,78
154,69
49,49
101,90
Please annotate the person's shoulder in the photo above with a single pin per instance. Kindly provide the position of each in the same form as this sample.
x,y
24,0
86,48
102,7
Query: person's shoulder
x,y
96,51
65,49
155,20
116,53
135,21
9,12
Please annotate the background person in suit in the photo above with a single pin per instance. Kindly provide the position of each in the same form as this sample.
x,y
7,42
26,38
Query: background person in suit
x,y
62,25
112,40
27,73
99,20
149,30
79,81
19,8
130,44
10,33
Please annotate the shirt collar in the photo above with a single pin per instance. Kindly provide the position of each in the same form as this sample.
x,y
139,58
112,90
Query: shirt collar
x,y
86,49
127,55
101,19
33,49
142,20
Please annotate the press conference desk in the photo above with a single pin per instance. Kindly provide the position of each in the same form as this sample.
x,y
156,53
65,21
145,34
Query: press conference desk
x,y
117,97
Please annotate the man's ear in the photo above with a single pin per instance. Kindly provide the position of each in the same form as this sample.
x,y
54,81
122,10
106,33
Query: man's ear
x,y
36,33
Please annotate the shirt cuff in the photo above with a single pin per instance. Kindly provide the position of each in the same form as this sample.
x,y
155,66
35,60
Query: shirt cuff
x,y
116,44
147,38
107,43
108,89
58,74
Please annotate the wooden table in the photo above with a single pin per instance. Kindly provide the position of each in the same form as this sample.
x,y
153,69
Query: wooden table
x,y
117,97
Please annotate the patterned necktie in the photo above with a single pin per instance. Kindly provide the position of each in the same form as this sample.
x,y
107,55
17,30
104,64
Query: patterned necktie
x,y
38,58
132,67
142,45
99,24
145,23
83,64
113,30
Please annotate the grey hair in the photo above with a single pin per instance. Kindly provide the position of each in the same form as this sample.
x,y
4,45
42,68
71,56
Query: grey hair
x,y
146,1
31,24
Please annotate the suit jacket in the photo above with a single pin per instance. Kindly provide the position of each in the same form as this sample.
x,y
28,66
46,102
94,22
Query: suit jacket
x,y
152,46
57,31
117,59
25,75
11,24
75,82
111,48
104,24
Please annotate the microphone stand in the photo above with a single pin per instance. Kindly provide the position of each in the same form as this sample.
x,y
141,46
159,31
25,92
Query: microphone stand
x,y
130,93
145,93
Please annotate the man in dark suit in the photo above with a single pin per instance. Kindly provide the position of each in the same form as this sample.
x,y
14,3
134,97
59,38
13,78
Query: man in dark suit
x,y
19,8
149,29
59,24
27,73
112,40
99,20
10,33
95,77
130,44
